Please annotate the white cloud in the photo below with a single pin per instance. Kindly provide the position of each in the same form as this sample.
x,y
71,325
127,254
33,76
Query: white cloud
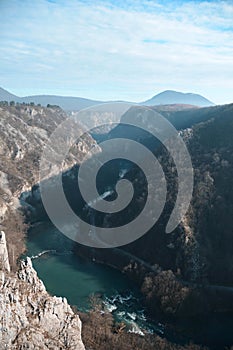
x,y
114,51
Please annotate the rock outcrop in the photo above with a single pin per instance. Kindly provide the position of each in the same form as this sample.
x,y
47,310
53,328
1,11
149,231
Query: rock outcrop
x,y
4,260
30,318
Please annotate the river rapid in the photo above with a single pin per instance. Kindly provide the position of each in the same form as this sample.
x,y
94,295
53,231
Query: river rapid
x,y
68,275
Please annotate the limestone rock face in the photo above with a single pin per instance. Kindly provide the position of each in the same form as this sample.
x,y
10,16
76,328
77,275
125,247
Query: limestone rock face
x,y
4,261
32,319
29,317
24,132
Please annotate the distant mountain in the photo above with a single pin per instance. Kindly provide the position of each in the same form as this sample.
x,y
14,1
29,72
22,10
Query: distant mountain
x,y
175,97
77,103
7,96
65,102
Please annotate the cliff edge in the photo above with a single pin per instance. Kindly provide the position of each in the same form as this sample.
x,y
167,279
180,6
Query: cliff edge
x,y
30,318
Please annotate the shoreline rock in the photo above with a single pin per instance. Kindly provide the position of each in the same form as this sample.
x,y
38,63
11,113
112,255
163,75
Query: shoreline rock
x,y
31,318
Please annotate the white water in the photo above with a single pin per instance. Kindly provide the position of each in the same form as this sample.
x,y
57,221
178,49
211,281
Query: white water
x,y
98,199
124,308
106,193
52,251
65,274
122,173
136,329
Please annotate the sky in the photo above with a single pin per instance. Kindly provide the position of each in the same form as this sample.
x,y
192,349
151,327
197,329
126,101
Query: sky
x,y
117,50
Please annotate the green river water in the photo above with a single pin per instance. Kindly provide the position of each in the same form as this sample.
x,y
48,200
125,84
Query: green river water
x,y
68,275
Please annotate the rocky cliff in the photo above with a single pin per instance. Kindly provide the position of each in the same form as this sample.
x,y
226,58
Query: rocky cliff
x,y
198,252
4,260
24,131
29,317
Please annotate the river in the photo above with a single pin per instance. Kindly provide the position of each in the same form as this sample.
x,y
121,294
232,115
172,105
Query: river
x,y
78,279
66,274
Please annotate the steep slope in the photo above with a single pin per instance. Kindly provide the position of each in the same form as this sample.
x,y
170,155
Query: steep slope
x,y
24,130
30,317
174,97
181,116
191,268
210,217
201,247
208,135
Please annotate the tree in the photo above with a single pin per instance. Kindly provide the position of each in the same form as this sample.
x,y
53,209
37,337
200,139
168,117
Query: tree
x,y
4,103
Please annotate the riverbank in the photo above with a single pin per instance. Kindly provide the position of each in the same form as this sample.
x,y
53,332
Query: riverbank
x,y
79,278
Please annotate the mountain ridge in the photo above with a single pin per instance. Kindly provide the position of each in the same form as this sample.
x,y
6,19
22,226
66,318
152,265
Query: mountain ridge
x,y
171,97
72,103
6,95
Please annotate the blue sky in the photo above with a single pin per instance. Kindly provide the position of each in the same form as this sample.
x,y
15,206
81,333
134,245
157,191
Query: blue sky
x,y
127,50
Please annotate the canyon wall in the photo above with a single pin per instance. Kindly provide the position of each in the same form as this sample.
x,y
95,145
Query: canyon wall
x,y
30,318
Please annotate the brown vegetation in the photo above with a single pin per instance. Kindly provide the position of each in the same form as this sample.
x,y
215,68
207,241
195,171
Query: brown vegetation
x,y
101,332
14,224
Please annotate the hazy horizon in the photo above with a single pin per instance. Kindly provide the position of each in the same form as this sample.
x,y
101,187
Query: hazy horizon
x,y
86,97
110,50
